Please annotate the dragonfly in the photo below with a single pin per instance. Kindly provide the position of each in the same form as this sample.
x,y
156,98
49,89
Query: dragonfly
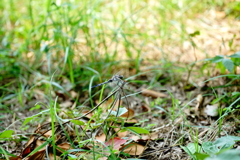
x,y
118,78
119,92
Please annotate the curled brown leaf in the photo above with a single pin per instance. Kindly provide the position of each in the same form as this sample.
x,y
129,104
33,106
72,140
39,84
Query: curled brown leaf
x,y
153,94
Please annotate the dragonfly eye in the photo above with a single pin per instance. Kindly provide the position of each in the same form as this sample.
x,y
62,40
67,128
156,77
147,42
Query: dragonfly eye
x,y
120,77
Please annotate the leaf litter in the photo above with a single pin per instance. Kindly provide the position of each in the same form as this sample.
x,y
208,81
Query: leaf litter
x,y
164,136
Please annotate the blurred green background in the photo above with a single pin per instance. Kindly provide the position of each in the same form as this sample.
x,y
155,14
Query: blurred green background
x,y
80,38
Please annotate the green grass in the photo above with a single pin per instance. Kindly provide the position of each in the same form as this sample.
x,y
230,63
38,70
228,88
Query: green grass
x,y
72,35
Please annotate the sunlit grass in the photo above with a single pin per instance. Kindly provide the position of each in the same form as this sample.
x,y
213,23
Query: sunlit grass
x,y
66,35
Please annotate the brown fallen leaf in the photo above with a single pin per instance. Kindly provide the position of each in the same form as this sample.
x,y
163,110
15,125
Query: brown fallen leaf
x,y
128,114
66,104
130,121
101,137
31,144
73,94
34,144
89,115
14,158
27,151
48,134
151,136
133,149
40,155
153,94
65,146
51,156
121,134
145,108
116,143
30,141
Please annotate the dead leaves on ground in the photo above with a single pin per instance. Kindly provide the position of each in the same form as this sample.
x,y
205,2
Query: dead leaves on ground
x,y
203,108
41,142
122,140
133,149
153,94
40,148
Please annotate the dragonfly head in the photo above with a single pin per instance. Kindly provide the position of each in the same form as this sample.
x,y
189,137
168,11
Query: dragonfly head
x,y
120,77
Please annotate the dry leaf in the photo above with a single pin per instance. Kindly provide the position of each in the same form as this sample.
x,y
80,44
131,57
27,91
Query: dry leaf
x,y
65,146
128,114
89,115
66,104
31,145
102,137
73,94
153,94
27,151
133,149
40,155
48,134
38,143
116,143
30,141
121,134
145,108
14,158
131,121
151,136
51,156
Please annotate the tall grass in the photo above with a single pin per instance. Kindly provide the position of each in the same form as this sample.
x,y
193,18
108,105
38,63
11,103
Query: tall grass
x,y
67,35
78,39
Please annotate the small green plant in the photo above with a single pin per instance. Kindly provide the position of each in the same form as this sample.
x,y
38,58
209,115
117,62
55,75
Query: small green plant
x,y
217,150
226,62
